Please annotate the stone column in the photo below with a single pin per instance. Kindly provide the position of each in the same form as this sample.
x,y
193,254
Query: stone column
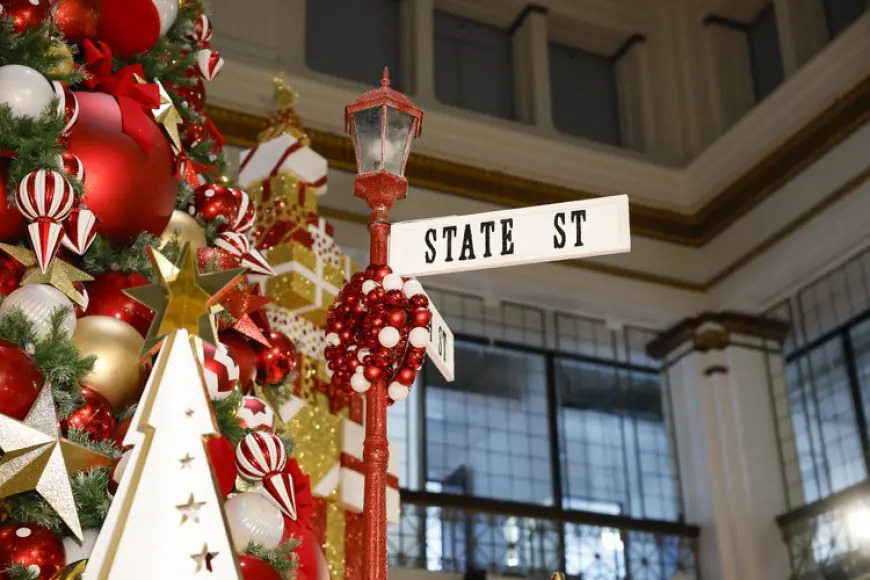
x,y
717,368
634,90
418,50
531,57
731,66
802,31
291,41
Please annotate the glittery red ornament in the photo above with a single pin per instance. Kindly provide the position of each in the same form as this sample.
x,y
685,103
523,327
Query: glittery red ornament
x,y
373,374
33,547
94,417
240,351
26,13
10,275
396,318
406,376
192,95
20,381
13,226
212,201
254,568
222,259
378,274
129,189
275,362
78,19
222,456
107,298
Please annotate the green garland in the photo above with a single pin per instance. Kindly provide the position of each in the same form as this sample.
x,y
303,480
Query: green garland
x,y
103,256
282,558
229,424
32,48
19,572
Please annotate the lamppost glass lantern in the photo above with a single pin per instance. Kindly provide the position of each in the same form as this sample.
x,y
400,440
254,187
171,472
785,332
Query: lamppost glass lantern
x,y
381,124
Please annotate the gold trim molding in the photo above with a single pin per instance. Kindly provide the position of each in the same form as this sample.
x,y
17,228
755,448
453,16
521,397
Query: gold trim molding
x,y
799,151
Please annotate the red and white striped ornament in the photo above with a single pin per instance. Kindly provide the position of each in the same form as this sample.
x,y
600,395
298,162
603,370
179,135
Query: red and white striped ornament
x,y
209,63
219,369
67,105
245,218
45,198
259,455
72,165
279,488
203,29
80,229
238,245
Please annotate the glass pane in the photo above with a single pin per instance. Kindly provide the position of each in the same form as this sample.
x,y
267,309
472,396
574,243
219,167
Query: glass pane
x,y
396,142
487,432
368,134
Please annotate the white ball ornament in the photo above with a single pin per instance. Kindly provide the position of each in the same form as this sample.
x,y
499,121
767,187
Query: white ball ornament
x,y
37,302
359,383
253,518
398,391
412,288
168,12
362,354
368,286
332,339
24,90
393,282
389,336
419,337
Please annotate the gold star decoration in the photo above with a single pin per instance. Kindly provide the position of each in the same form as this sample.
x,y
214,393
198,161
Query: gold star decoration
x,y
190,510
203,559
185,301
60,274
38,459
166,115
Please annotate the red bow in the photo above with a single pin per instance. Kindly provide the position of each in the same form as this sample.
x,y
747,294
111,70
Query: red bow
x,y
216,136
135,99
190,169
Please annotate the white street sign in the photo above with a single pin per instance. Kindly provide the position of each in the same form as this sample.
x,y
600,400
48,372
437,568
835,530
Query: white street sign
x,y
544,233
440,345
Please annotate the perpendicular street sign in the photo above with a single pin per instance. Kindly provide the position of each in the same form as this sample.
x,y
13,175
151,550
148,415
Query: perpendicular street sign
x,y
544,233
440,345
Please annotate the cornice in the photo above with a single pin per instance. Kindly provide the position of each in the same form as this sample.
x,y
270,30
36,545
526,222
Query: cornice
x,y
713,331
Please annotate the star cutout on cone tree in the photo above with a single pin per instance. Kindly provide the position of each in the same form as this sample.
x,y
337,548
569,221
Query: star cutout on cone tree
x,y
60,274
185,301
242,303
38,459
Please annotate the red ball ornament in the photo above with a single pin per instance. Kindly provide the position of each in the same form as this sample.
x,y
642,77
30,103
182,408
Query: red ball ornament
x,y
130,190
406,376
10,275
212,201
13,226
254,568
26,13
193,133
78,19
191,95
373,373
130,27
378,274
33,547
222,456
20,381
422,316
275,362
107,298
94,417
396,318
306,552
240,351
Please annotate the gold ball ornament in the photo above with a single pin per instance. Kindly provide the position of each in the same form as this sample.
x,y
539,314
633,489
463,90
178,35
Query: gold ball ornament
x,y
74,571
67,64
187,230
118,374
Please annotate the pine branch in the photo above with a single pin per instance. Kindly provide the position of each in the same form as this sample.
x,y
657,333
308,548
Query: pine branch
x,y
126,413
80,437
91,491
30,508
19,572
282,558
32,48
103,256
225,412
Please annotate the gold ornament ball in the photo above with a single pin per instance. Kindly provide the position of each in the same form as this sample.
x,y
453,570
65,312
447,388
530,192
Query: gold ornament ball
x,y
65,66
186,229
118,374
74,571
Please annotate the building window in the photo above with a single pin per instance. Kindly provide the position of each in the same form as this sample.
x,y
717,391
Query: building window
x,y
823,412
353,40
840,14
473,66
765,53
584,94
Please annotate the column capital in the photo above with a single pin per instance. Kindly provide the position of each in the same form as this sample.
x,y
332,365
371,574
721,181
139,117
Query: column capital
x,y
714,331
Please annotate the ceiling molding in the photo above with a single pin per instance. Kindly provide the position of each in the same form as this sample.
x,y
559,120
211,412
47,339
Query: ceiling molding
x,y
799,151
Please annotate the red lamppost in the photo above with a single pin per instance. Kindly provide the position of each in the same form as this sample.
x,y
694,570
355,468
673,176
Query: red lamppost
x,y
381,123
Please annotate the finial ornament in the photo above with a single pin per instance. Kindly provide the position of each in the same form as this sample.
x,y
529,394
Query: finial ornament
x,y
284,95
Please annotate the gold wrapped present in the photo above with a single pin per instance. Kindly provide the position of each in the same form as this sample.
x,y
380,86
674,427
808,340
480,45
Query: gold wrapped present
x,y
305,284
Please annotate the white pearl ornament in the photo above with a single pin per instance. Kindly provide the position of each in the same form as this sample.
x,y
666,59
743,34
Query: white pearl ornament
x,y
389,337
368,286
398,391
37,302
393,282
253,518
24,90
359,383
332,339
419,337
362,354
412,288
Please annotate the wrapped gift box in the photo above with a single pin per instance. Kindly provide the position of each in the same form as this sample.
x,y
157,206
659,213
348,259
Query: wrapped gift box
x,y
351,482
285,209
283,154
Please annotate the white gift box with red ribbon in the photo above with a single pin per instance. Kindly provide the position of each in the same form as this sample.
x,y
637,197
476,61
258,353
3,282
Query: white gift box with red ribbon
x,y
284,154
351,491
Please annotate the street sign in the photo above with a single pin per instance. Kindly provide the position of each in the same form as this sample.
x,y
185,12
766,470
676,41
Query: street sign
x,y
544,233
440,345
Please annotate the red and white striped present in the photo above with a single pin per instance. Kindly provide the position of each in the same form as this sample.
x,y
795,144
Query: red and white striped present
x,y
284,154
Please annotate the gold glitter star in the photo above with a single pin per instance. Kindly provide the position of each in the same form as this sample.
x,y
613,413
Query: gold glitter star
x,y
60,274
203,559
38,459
166,114
190,510
185,301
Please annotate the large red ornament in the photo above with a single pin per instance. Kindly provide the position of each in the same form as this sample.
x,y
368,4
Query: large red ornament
x,y
78,19
130,190
275,362
130,27
13,226
254,568
240,350
306,552
94,417
20,381
222,456
26,13
33,547
107,298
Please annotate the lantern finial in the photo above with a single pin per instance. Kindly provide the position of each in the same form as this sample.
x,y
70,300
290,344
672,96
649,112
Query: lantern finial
x,y
385,81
